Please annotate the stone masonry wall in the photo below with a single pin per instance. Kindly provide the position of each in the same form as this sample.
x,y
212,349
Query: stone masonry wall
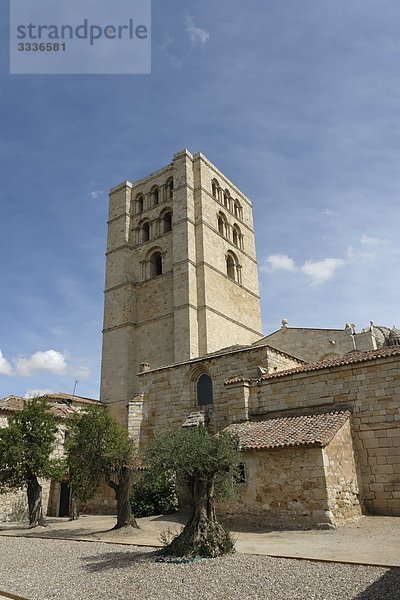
x,y
372,391
341,477
285,487
313,345
14,505
168,395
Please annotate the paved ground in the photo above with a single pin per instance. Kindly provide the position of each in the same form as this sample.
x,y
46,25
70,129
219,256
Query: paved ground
x,y
51,569
369,541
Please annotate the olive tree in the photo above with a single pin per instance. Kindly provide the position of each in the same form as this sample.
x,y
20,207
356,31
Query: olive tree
x,y
26,447
99,450
207,465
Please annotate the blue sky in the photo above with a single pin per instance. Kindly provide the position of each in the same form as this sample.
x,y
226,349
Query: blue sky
x,y
298,102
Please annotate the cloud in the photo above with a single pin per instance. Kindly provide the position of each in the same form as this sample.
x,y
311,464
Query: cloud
x,y
320,271
359,255
96,194
366,240
37,393
330,213
50,361
278,262
197,35
80,372
5,366
171,51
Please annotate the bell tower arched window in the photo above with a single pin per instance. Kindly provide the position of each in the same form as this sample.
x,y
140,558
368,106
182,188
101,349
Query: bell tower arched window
x,y
145,232
155,196
167,222
233,269
139,204
170,188
156,264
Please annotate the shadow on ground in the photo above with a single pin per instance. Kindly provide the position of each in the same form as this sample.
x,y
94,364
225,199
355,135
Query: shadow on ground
x,y
387,586
117,560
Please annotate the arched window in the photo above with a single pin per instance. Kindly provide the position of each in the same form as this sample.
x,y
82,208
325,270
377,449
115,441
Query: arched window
x,y
156,266
237,236
222,224
215,189
145,232
155,196
233,269
230,267
238,209
227,199
167,222
204,389
170,188
139,204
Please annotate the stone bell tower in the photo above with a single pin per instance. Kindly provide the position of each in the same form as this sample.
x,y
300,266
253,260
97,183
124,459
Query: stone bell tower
x,y
181,273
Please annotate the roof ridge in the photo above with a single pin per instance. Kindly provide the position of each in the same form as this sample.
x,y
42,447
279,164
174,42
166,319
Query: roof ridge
x,y
354,357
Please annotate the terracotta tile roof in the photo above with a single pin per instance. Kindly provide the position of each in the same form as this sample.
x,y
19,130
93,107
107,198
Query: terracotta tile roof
x,y
12,404
70,398
348,359
282,432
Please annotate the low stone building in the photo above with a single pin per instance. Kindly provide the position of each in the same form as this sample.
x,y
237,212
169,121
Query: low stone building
x,y
56,495
300,471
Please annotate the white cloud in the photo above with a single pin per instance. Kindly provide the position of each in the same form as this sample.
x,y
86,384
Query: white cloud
x,y
96,194
5,366
80,372
357,255
170,50
50,361
37,393
196,34
320,271
278,262
366,240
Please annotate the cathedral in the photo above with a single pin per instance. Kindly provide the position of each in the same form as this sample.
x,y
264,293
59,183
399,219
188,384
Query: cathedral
x,y
316,410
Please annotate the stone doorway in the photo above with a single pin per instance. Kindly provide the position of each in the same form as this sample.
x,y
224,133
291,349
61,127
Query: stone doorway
x,y
63,507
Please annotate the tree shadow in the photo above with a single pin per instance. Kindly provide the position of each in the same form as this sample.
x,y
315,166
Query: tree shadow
x,y
117,560
387,586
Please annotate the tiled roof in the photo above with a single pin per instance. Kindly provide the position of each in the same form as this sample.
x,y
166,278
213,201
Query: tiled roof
x,y
13,404
70,398
348,359
282,432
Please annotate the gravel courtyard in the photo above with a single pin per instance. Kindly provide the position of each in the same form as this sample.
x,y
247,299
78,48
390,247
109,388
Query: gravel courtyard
x,y
47,569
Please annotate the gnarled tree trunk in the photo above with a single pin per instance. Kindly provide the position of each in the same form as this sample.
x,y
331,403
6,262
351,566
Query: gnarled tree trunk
x,y
123,490
202,534
73,507
34,492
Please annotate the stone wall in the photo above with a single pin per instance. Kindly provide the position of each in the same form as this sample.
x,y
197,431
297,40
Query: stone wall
x,y
14,505
300,486
284,487
168,395
313,345
372,391
341,477
193,307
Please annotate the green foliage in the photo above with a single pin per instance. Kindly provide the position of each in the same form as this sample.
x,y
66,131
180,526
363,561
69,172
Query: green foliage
x,y
154,495
193,453
98,448
26,445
